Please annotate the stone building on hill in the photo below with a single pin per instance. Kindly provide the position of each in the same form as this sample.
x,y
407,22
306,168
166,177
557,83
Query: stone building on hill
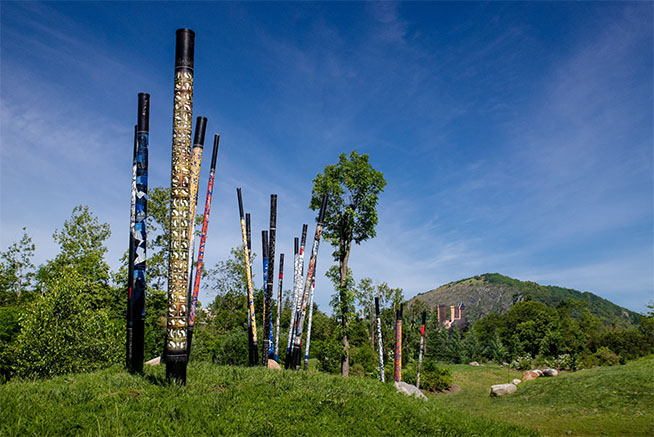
x,y
457,316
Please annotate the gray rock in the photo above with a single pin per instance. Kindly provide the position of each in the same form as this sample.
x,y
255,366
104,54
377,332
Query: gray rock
x,y
502,389
516,381
409,390
550,372
540,372
474,363
505,364
154,361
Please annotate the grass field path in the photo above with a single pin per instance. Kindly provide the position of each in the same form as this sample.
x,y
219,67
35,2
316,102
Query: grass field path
x,y
613,401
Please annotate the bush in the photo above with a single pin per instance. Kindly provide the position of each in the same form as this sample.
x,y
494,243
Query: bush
x,y
61,333
562,362
357,370
433,378
229,349
524,362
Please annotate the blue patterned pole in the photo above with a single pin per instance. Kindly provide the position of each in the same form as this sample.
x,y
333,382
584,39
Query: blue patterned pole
x,y
137,297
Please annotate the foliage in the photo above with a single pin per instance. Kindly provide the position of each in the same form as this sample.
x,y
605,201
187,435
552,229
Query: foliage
x,y
352,186
16,269
63,333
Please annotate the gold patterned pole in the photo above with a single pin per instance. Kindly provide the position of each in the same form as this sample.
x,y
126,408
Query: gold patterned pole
x,y
176,324
252,334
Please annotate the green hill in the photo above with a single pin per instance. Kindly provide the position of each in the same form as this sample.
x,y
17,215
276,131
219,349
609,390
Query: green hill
x,y
228,401
492,292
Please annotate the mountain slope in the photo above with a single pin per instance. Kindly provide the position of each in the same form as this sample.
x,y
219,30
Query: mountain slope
x,y
492,292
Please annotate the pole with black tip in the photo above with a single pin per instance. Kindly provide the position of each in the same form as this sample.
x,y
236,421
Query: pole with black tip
x,y
279,304
422,347
130,265
311,271
137,298
264,252
268,341
379,340
248,233
291,325
203,241
398,344
175,352
196,164
253,353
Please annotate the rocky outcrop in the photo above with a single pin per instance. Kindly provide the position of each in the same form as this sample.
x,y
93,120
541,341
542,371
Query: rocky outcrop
x,y
502,389
409,390
550,372
529,375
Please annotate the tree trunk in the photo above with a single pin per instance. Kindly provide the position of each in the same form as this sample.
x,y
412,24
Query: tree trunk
x,y
345,247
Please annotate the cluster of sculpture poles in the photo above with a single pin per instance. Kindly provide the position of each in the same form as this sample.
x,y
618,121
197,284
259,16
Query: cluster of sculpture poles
x,y
398,344
185,178
271,334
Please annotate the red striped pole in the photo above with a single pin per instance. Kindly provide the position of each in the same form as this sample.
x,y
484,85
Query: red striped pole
x,y
398,344
203,240
422,347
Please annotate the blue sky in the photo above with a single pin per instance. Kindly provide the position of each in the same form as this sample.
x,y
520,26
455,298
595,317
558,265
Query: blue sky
x,y
514,137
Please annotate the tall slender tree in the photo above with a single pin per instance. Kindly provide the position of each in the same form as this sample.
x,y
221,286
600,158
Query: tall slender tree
x,y
353,187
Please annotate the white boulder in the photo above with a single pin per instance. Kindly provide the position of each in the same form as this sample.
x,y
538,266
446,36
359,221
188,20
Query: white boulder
x,y
502,389
409,390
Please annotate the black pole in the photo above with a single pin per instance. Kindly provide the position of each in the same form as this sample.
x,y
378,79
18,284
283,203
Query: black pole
x,y
268,342
253,352
175,352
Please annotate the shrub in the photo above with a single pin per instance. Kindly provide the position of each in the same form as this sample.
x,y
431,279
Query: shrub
x,y
357,370
562,362
606,357
61,333
524,362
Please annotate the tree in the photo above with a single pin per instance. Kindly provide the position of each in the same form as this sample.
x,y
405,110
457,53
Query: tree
x,y
82,249
62,332
353,187
16,269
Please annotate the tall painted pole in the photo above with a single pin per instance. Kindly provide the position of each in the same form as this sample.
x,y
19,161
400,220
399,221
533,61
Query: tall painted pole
x,y
298,286
268,345
266,261
379,340
203,241
311,271
422,347
137,298
130,257
306,349
248,271
279,304
175,352
248,234
196,163
398,344
291,325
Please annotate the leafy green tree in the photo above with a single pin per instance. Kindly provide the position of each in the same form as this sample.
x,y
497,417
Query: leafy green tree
x,y
63,333
82,249
16,269
353,187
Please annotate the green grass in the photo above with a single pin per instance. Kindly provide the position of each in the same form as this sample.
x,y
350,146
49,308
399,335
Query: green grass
x,y
227,400
613,401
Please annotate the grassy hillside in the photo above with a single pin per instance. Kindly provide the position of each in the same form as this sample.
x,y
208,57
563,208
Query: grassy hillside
x,y
227,401
616,400
492,292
